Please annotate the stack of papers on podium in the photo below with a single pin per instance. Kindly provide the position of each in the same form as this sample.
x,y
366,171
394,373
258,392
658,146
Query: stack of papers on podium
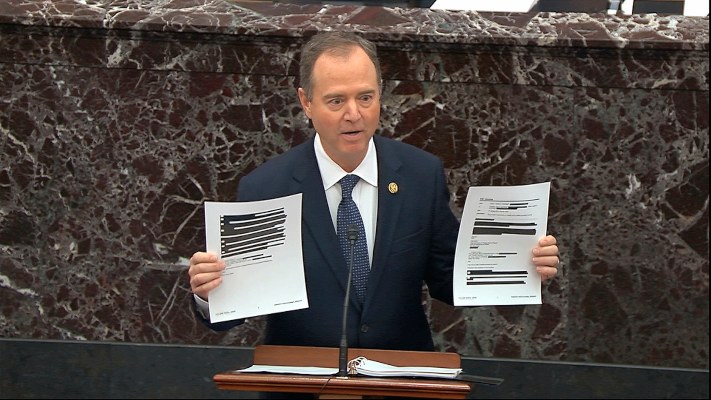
x,y
485,5
363,366
288,369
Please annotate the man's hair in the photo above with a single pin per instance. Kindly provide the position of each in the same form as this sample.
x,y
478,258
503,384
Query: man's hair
x,y
338,44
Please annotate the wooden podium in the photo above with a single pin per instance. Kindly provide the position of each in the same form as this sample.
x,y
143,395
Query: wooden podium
x,y
350,387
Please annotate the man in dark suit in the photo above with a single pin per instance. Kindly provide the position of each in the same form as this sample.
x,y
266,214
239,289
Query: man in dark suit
x,y
402,197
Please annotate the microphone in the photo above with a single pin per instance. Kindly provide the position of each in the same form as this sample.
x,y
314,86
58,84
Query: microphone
x,y
343,350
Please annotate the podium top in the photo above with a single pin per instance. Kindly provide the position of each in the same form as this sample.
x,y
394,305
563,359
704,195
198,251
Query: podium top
x,y
353,386
302,356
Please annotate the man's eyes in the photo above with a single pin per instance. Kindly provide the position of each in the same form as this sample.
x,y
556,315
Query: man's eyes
x,y
367,98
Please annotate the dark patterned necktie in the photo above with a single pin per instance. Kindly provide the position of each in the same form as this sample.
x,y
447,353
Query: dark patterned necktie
x,y
348,215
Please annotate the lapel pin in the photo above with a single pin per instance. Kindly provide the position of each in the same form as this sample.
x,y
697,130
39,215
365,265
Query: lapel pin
x,y
392,187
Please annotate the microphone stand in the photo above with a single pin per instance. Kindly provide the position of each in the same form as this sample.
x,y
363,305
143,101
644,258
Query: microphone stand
x,y
343,350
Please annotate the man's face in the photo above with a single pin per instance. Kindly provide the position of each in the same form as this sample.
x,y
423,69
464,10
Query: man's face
x,y
345,105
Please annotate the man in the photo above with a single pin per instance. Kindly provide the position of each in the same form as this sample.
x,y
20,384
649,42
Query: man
x,y
402,198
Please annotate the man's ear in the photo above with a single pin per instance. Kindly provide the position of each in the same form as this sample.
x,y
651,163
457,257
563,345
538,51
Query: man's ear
x,y
305,103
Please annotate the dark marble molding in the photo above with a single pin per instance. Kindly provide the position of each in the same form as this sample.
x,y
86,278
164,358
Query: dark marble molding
x,y
119,118
377,23
402,58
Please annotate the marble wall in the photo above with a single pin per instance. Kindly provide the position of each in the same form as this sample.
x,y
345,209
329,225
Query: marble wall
x,y
118,118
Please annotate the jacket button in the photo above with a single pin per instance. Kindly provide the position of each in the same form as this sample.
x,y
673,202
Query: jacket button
x,y
364,328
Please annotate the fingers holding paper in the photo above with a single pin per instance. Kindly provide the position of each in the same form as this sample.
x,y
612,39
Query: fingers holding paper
x,y
205,273
545,257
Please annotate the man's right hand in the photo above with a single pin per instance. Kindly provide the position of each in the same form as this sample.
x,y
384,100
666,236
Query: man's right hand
x,y
205,273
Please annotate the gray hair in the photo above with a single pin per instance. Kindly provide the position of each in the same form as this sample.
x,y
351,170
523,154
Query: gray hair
x,y
336,43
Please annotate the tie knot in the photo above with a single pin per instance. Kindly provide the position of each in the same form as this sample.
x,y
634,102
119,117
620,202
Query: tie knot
x,y
348,182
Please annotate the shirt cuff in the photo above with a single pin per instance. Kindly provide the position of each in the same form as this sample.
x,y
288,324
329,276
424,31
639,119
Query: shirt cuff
x,y
203,307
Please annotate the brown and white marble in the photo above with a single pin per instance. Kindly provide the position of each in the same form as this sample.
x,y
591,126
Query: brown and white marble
x,y
119,118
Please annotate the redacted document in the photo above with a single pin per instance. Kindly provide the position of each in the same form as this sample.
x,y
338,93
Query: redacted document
x,y
260,243
500,226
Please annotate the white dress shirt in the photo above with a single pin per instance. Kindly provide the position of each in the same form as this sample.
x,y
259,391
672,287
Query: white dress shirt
x,y
365,192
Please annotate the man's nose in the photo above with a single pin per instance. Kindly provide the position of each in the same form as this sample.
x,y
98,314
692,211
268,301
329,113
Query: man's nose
x,y
352,111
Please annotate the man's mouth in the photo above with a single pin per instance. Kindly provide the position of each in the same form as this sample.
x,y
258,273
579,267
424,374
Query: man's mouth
x,y
351,132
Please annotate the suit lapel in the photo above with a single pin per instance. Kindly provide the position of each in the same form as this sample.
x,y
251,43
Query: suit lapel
x,y
388,212
317,218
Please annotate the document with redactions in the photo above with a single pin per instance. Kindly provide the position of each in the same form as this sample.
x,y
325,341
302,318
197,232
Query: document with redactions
x,y
260,243
493,261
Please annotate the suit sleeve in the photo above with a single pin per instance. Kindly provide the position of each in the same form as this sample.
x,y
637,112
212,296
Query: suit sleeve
x,y
440,272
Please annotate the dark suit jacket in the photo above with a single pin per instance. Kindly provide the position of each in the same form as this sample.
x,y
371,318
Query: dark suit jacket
x,y
414,242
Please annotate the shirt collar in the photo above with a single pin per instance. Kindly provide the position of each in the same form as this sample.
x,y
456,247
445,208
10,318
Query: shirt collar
x,y
331,172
